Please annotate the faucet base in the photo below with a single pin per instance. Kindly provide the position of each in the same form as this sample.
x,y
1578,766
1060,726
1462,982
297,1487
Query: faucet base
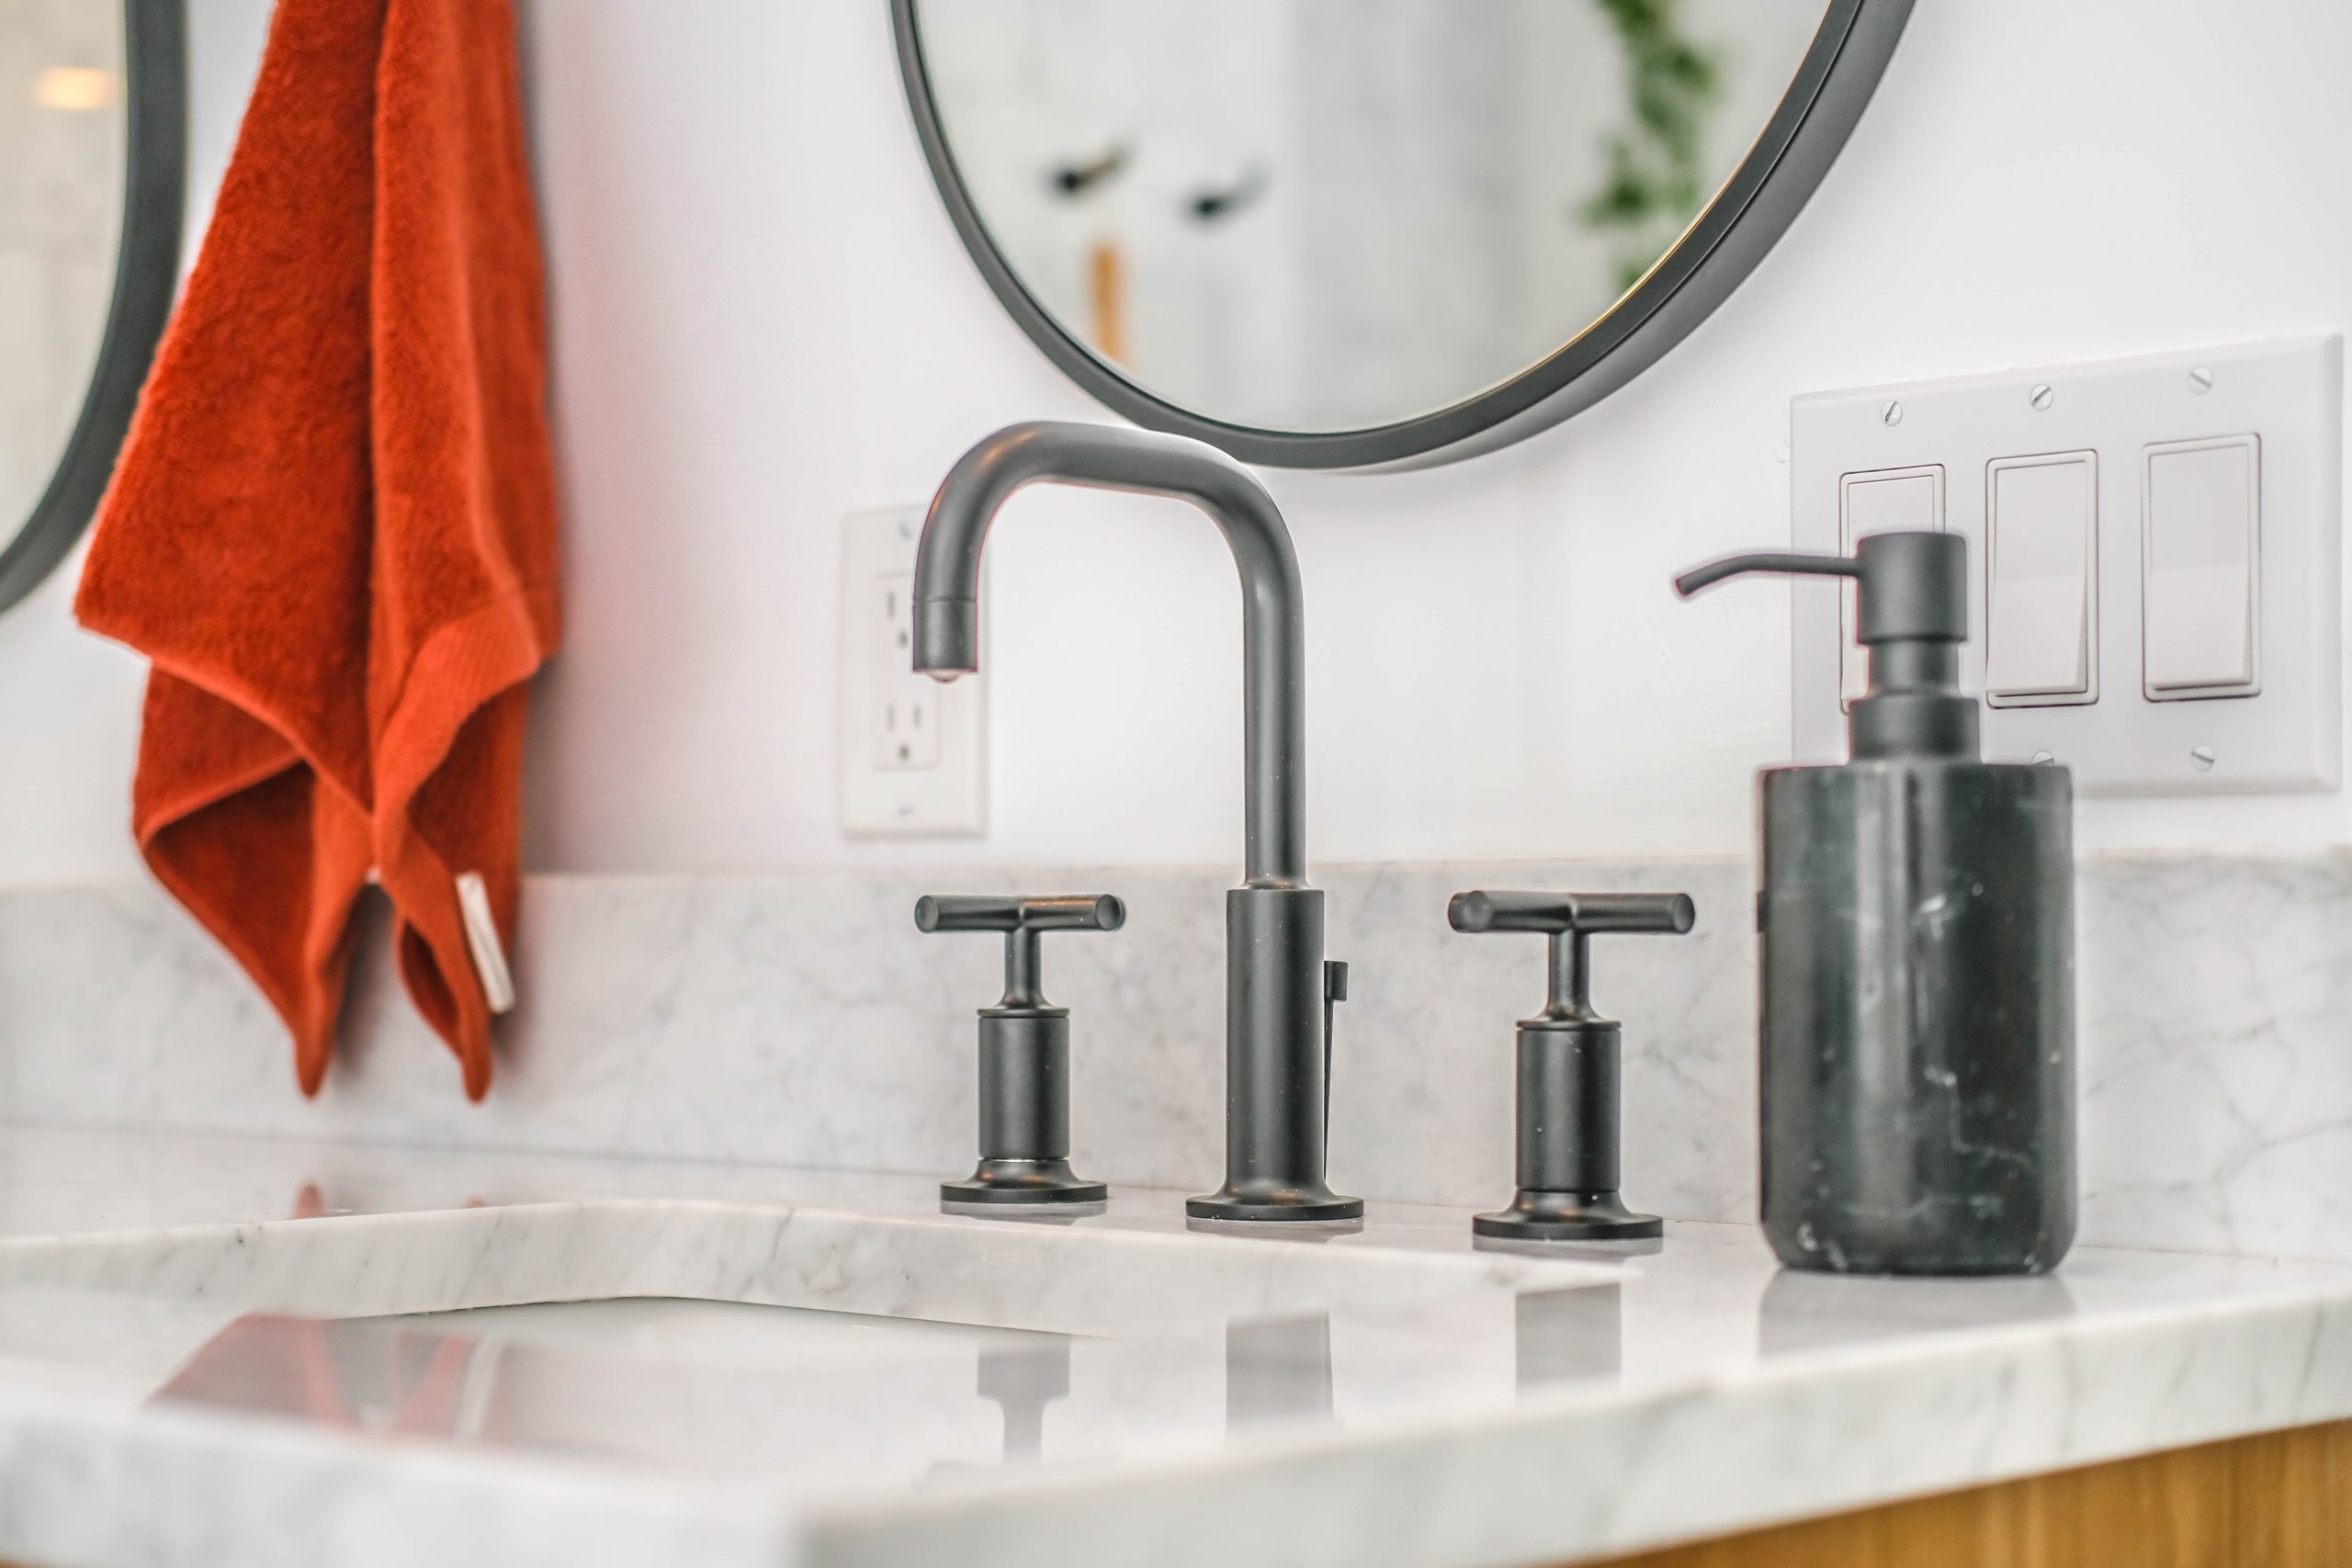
x,y
1567,1216
1024,1181
1298,1205
1277,1062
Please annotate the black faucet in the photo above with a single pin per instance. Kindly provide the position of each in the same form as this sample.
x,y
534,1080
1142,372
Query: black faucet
x,y
1277,1028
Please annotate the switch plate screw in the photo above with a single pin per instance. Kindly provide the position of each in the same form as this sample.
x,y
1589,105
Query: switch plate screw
x,y
2043,398
2201,758
1891,415
2200,380
2042,759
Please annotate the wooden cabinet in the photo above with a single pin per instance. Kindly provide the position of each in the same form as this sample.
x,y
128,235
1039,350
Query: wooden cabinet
x,y
2279,1500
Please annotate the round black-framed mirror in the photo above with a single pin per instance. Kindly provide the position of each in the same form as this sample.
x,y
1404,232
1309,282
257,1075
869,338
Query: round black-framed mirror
x,y
150,95
1731,223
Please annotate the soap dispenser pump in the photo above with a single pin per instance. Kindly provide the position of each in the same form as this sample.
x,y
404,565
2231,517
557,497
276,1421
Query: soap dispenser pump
x,y
1917,926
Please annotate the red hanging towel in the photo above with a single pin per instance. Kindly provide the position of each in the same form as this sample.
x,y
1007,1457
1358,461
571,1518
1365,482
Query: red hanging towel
x,y
333,525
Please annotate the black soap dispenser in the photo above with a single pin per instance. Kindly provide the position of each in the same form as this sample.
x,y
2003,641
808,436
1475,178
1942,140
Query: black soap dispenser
x,y
1917,921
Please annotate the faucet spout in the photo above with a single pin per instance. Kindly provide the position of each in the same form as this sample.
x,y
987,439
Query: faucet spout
x,y
947,579
1277,993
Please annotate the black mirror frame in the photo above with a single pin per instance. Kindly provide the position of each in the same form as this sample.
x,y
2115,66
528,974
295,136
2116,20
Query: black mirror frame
x,y
1755,206
146,277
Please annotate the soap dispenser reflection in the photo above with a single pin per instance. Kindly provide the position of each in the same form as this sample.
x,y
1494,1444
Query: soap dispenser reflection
x,y
1917,958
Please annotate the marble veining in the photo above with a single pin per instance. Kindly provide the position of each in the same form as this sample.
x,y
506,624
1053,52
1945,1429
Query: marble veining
x,y
2217,1062
194,1368
803,1020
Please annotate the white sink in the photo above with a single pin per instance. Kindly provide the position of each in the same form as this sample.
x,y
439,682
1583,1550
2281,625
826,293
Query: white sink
x,y
809,1347
1101,1278
716,1333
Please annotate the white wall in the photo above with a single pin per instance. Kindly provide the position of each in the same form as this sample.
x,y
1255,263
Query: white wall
x,y
763,321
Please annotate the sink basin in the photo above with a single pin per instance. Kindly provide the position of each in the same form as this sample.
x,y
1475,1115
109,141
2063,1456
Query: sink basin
x,y
1107,1276
840,1353
810,1346
719,1334
697,1387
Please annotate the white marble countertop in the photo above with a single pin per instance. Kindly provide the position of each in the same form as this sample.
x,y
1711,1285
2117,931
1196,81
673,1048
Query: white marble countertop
x,y
197,1368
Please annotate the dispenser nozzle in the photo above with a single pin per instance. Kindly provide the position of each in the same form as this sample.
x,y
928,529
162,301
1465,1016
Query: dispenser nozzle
x,y
1914,586
1912,614
1780,564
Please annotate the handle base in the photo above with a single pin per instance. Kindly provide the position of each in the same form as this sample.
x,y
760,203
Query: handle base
x,y
1257,1202
1024,1181
1567,1216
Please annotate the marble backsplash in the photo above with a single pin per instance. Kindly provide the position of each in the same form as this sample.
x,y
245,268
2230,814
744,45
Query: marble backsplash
x,y
802,1020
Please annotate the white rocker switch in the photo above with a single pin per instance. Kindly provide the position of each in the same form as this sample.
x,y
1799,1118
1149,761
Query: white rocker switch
x,y
2201,563
2041,580
1882,501
2155,558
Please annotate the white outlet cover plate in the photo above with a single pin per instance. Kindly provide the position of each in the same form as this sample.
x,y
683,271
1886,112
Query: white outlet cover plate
x,y
2290,392
948,798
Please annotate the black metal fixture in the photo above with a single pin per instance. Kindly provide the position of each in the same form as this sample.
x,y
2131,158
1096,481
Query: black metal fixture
x,y
1024,1048
1211,205
1277,989
1569,1065
1076,177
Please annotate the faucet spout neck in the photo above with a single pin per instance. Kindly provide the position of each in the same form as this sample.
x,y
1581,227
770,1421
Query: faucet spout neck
x,y
947,577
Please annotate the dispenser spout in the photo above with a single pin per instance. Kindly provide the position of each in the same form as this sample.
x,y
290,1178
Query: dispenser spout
x,y
1699,579
1912,614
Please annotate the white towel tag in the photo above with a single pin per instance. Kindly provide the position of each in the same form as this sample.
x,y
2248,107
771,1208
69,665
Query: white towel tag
x,y
482,940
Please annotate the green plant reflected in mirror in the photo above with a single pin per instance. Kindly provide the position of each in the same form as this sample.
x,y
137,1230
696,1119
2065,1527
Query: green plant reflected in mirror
x,y
1357,232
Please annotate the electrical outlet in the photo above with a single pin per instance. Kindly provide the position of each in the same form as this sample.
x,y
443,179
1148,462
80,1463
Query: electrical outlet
x,y
905,720
913,752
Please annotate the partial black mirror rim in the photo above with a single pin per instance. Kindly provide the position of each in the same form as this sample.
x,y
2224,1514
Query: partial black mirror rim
x,y
146,277
1756,204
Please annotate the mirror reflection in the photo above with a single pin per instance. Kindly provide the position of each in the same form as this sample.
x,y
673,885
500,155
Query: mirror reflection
x,y
1326,215
61,149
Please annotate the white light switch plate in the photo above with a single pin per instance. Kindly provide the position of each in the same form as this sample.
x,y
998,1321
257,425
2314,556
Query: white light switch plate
x,y
913,752
2290,393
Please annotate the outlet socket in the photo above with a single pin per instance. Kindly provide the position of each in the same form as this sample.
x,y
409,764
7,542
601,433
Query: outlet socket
x,y
913,752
